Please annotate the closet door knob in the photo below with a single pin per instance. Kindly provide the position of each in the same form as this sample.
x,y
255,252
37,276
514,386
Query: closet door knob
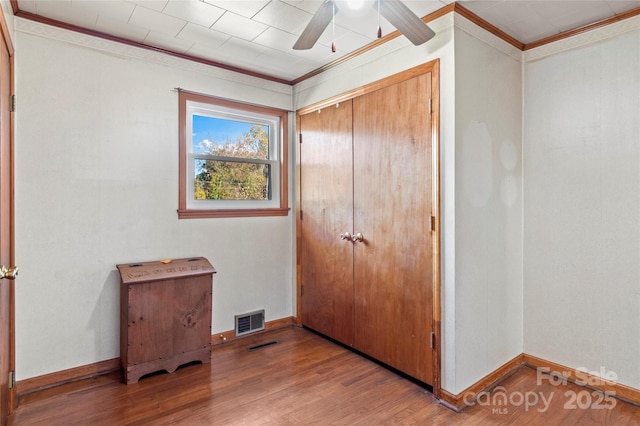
x,y
357,237
346,236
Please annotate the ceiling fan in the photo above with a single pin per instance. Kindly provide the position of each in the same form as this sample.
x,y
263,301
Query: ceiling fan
x,y
394,11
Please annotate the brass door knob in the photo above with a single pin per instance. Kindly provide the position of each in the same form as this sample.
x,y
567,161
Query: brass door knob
x,y
357,237
10,273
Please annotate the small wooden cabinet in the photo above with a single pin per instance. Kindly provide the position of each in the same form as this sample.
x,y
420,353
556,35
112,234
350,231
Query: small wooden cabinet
x,y
165,315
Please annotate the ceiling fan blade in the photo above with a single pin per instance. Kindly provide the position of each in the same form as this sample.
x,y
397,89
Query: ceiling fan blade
x,y
405,21
316,26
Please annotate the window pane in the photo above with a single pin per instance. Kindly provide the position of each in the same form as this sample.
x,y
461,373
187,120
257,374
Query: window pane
x,y
230,180
229,138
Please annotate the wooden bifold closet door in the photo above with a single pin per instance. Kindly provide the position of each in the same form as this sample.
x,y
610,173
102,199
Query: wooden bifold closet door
x,y
327,196
366,168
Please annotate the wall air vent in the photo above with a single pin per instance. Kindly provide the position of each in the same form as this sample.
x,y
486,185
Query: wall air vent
x,y
249,323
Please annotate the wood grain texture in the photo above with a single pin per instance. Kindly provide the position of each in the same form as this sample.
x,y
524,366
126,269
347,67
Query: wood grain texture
x,y
230,335
392,209
59,378
326,201
394,269
165,315
584,378
437,230
302,380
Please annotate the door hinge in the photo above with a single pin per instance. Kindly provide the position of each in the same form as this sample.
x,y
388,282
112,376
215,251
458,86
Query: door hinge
x,y
430,106
300,214
301,290
432,223
12,102
12,379
432,340
300,137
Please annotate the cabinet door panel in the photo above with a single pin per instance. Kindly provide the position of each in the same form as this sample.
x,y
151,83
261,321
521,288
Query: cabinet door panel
x,y
326,201
392,208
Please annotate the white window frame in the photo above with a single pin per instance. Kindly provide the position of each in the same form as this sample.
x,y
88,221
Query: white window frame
x,y
215,111
276,120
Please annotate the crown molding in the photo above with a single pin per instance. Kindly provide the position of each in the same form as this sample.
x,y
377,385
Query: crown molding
x,y
143,53
488,37
607,28
583,38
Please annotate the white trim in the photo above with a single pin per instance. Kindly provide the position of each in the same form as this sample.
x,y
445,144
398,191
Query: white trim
x,y
218,111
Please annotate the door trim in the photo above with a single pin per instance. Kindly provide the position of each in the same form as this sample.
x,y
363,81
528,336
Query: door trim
x,y
6,38
434,68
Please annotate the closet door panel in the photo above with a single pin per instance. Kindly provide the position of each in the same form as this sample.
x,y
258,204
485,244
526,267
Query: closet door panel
x,y
326,201
392,208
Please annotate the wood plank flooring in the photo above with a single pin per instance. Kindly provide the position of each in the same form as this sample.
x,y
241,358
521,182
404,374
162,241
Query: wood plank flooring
x,y
304,379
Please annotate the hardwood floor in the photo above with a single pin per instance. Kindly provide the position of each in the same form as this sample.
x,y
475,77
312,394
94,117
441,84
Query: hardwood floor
x,y
304,380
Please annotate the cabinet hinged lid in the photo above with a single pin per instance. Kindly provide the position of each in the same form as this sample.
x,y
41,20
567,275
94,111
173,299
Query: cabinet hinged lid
x,y
134,273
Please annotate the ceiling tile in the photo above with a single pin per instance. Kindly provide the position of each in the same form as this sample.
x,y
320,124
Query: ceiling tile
x,y
478,6
320,53
62,11
351,41
276,39
529,30
28,6
283,16
156,5
198,12
246,8
121,29
203,36
118,10
240,49
156,21
621,6
566,18
259,34
239,26
272,62
365,24
554,10
423,8
309,6
167,42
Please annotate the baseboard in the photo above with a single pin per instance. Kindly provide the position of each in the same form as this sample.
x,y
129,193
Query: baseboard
x,y
583,378
58,378
461,400
229,336
454,402
558,371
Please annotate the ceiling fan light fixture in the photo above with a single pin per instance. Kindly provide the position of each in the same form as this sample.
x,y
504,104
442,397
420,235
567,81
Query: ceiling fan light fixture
x,y
394,11
352,7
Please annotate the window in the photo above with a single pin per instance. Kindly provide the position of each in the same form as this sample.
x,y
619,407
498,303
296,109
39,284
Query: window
x,y
233,158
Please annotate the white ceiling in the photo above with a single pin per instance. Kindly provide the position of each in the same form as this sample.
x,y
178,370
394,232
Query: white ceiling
x,y
258,35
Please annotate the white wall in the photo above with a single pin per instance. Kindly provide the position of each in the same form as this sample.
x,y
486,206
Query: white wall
x,y
488,200
582,203
96,167
96,185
